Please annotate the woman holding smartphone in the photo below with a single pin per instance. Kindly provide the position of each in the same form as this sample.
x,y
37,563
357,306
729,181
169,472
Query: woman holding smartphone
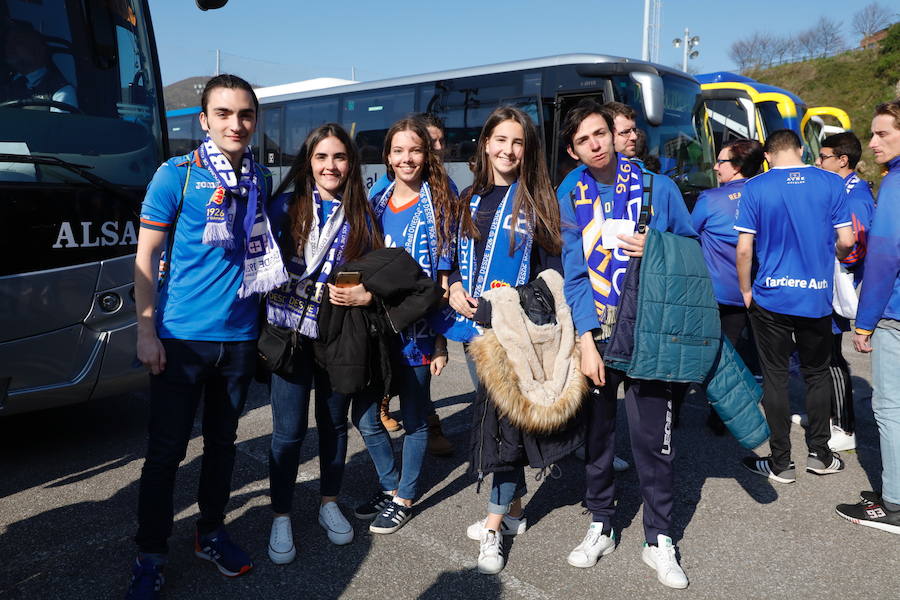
x,y
327,221
510,233
419,212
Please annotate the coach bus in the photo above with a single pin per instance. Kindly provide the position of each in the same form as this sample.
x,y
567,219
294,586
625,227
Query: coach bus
x,y
741,107
81,134
668,103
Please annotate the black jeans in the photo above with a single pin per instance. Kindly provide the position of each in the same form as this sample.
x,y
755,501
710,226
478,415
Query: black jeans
x,y
648,405
221,373
775,335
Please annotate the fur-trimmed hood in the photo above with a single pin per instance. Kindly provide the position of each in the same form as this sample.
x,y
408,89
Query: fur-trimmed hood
x,y
531,372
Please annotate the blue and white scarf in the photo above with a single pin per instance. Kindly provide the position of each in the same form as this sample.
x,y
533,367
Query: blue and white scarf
x,y
421,235
606,268
296,305
497,268
263,267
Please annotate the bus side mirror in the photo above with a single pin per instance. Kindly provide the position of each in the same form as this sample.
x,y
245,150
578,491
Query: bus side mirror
x,y
211,4
651,95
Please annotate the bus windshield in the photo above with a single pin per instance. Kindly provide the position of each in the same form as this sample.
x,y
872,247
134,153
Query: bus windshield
x,y
77,84
681,141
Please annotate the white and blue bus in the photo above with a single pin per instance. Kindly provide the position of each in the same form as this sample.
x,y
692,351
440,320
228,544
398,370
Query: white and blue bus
x,y
82,131
668,104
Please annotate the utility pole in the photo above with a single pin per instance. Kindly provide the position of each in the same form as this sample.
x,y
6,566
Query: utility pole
x,y
650,47
687,43
218,62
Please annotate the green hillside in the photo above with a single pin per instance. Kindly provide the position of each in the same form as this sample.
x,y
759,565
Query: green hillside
x,y
855,81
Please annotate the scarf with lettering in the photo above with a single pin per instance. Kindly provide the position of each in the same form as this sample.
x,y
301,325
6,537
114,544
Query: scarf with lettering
x,y
606,268
263,267
296,304
497,268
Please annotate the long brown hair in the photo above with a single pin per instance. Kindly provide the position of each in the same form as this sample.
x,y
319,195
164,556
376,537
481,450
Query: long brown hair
x,y
364,234
534,193
447,207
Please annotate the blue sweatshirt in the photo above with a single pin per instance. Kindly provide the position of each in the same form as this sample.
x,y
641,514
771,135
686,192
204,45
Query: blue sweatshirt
x,y
713,217
668,214
880,296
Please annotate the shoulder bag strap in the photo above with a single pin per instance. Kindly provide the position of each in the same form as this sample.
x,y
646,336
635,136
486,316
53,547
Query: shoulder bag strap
x,y
170,239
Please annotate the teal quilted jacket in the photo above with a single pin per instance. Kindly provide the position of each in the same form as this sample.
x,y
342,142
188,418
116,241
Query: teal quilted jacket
x,y
668,329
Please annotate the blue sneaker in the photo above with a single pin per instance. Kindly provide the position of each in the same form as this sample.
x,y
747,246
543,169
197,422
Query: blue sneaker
x,y
146,581
218,548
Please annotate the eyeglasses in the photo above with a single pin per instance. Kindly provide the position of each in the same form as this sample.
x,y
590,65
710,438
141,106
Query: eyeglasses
x,y
719,161
826,156
626,132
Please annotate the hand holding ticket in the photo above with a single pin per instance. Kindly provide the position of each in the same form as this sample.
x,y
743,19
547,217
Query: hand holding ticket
x,y
614,227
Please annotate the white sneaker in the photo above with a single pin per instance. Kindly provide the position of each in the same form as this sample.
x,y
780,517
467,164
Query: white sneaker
x,y
592,547
801,419
490,554
338,528
508,526
662,558
281,541
841,440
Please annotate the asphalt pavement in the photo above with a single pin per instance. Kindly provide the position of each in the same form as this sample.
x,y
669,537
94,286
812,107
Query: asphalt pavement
x,y
68,494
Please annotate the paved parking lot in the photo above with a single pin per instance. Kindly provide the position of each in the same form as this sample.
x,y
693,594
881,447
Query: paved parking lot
x,y
68,494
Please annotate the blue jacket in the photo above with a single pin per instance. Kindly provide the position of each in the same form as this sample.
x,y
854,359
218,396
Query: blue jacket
x,y
668,329
668,214
880,295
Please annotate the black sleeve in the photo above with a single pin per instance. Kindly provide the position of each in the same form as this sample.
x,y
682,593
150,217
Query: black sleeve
x,y
454,277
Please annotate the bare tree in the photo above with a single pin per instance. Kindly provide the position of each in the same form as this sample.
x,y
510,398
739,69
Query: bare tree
x,y
742,53
828,36
781,48
807,43
871,18
764,45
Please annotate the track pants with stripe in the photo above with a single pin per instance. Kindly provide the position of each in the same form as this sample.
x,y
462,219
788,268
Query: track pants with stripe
x,y
842,393
649,409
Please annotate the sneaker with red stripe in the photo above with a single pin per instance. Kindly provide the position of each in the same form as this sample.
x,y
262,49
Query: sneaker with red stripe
x,y
218,548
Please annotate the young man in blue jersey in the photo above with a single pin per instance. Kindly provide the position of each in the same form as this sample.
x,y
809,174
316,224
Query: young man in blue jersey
x,y
588,133
792,212
878,326
840,154
197,333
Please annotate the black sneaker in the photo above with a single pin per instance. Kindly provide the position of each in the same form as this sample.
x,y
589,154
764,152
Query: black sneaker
x,y
765,467
373,508
817,466
871,514
146,581
392,518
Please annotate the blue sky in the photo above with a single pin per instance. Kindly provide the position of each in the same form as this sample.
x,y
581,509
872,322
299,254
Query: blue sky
x,y
279,41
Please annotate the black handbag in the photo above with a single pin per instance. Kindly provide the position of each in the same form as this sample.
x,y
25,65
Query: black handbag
x,y
278,348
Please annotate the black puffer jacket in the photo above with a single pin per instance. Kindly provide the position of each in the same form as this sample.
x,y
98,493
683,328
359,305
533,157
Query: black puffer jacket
x,y
354,342
499,445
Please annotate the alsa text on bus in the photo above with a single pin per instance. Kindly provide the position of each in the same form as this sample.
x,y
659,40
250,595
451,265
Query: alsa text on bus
x,y
86,235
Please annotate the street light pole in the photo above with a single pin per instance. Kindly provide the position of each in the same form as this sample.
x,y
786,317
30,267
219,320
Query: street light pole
x,y
688,43
645,47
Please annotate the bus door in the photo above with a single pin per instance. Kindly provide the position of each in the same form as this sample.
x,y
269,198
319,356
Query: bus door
x,y
560,161
272,121
732,115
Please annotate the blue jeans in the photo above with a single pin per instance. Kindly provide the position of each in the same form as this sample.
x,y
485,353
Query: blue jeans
x,y
414,389
506,487
221,373
290,415
886,406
